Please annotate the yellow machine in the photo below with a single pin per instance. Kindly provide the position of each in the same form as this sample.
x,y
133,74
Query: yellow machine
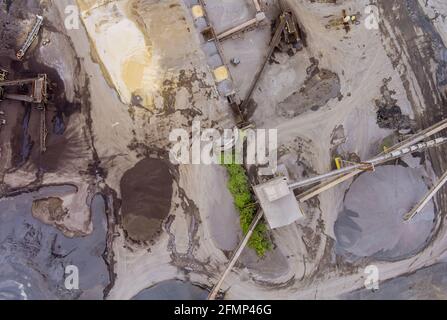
x,y
3,74
344,21
338,163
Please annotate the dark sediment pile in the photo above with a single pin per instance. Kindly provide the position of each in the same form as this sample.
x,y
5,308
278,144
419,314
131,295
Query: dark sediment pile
x,y
146,192
389,114
320,86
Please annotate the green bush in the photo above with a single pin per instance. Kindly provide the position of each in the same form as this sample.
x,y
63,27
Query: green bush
x,y
239,187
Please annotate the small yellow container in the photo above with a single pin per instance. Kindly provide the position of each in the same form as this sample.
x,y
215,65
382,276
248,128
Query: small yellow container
x,y
338,163
197,11
221,73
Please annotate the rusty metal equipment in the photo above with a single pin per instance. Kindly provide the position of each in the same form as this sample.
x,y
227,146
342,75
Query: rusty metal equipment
x,y
3,74
37,94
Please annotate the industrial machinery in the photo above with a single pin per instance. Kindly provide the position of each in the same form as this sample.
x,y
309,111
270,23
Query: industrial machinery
x,y
331,179
287,29
344,21
370,164
287,37
31,37
259,17
36,93
3,74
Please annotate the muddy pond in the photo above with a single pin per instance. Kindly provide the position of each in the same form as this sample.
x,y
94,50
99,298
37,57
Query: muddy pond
x,y
34,256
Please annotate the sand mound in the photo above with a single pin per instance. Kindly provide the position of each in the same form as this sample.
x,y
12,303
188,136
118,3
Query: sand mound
x,y
124,51
371,223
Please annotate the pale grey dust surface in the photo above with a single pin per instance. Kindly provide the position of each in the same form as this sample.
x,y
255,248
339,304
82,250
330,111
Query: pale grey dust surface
x,y
371,223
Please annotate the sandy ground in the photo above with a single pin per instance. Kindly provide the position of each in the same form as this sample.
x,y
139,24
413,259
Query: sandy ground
x,y
425,284
186,244
129,60
361,63
127,116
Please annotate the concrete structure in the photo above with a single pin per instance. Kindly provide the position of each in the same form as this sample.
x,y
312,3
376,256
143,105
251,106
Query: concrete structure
x,y
211,46
278,202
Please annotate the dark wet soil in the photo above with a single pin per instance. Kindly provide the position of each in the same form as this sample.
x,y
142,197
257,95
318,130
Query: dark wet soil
x,y
146,192
389,114
320,86
371,223
25,133
172,290
33,255
25,141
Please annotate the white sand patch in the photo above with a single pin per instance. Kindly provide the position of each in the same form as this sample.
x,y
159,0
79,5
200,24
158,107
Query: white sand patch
x,y
124,52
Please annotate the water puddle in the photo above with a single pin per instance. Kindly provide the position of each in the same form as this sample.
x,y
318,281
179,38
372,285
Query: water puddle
x,y
172,290
34,256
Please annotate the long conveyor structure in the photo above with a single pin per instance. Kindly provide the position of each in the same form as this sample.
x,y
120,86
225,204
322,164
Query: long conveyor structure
x,y
408,146
31,37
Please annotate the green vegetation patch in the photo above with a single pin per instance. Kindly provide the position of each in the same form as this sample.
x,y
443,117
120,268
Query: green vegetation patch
x,y
239,187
